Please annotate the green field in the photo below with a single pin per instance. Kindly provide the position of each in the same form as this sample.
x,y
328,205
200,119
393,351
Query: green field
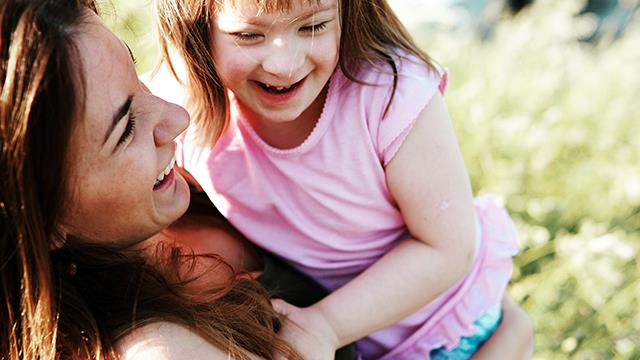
x,y
552,127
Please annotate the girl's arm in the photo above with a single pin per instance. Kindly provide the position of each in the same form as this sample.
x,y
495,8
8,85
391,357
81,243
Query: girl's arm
x,y
513,339
429,182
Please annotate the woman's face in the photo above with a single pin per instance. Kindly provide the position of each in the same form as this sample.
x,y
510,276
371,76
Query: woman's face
x,y
123,188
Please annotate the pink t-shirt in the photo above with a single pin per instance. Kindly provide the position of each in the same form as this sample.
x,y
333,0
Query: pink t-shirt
x,y
325,207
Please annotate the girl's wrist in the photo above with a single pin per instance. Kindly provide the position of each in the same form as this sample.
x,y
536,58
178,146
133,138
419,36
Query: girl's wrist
x,y
325,326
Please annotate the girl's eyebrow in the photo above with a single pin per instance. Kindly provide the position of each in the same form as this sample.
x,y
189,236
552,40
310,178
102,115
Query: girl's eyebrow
x,y
256,20
312,12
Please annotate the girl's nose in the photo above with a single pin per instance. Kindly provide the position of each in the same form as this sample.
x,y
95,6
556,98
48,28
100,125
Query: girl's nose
x,y
284,57
173,120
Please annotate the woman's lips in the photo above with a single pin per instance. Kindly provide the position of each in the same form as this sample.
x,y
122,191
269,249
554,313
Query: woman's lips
x,y
168,179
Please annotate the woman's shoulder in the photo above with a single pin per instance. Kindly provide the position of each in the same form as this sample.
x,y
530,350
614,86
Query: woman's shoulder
x,y
166,340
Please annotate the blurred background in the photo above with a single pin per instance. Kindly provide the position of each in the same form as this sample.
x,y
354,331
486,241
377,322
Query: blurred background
x,y
545,98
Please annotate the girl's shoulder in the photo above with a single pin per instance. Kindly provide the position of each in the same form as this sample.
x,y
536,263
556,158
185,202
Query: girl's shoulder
x,y
403,83
395,93
166,340
403,68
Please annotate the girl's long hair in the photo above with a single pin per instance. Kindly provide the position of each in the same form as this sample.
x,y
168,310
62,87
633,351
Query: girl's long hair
x,y
75,302
371,33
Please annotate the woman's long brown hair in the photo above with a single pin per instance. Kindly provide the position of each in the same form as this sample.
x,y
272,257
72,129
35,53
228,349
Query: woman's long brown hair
x,y
370,33
75,302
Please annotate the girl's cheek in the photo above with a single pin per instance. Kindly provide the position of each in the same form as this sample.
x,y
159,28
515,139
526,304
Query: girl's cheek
x,y
328,46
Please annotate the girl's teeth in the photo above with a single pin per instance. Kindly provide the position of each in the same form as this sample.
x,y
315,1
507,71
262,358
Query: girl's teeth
x,y
276,88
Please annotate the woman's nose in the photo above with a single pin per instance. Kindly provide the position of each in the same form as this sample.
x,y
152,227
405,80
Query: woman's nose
x,y
173,120
284,57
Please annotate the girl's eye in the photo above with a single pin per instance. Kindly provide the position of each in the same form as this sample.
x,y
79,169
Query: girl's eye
x,y
128,130
246,36
314,28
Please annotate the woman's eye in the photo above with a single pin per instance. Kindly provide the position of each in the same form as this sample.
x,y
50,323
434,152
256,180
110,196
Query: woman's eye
x,y
314,28
128,130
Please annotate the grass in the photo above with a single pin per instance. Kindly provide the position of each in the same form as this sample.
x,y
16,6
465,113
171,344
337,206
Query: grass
x,y
549,124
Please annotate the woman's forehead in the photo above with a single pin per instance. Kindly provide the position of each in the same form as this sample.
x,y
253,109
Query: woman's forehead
x,y
98,44
106,66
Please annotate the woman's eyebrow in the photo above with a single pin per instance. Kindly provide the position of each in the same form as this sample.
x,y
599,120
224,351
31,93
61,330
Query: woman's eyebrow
x,y
130,52
118,116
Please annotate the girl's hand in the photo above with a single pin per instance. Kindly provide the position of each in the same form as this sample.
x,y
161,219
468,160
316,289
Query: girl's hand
x,y
308,331
514,338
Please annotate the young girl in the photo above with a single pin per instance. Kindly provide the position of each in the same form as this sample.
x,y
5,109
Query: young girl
x,y
334,150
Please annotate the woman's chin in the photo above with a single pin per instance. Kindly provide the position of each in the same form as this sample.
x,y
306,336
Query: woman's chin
x,y
172,201
182,195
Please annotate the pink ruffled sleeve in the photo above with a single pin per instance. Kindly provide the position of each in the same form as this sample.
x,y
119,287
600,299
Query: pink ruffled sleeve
x,y
417,83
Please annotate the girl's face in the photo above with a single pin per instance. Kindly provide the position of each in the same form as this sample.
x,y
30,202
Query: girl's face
x,y
277,64
123,186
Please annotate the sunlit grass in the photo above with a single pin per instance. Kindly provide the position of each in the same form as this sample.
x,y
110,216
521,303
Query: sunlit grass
x,y
551,126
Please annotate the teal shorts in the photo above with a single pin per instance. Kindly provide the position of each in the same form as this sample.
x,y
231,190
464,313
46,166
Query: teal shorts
x,y
485,326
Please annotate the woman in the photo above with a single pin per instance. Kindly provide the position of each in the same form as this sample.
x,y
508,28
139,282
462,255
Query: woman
x,y
87,176
87,187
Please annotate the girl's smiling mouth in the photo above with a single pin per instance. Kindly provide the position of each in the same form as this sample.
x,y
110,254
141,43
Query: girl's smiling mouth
x,y
278,90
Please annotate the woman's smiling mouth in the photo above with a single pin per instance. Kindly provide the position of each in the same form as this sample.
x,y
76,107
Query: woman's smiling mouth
x,y
166,175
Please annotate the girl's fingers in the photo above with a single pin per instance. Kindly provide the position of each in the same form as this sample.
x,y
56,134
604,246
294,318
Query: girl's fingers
x,y
282,306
